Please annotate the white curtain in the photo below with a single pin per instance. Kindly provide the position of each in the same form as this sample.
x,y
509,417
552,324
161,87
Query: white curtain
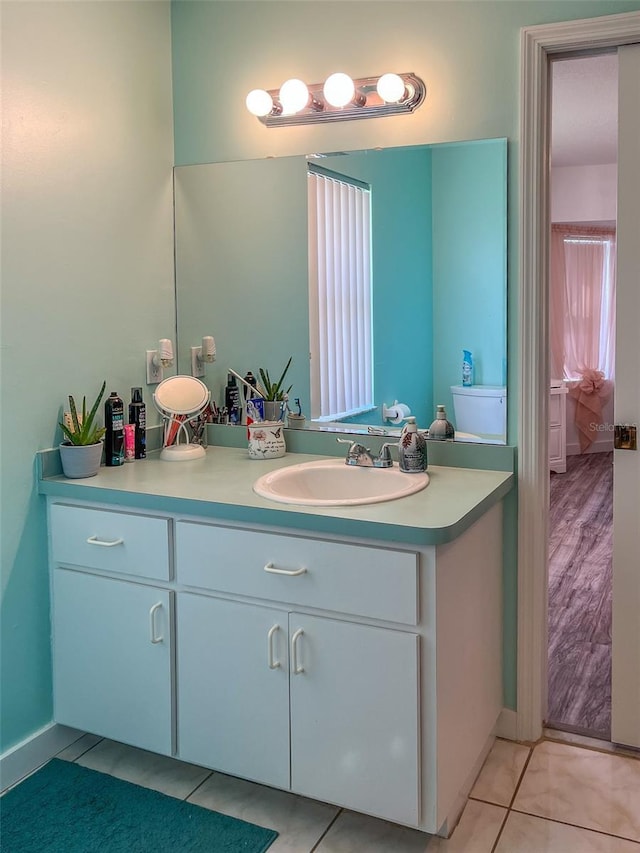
x,y
582,300
340,308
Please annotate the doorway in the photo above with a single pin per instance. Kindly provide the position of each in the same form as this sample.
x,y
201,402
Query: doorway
x,y
583,191
539,44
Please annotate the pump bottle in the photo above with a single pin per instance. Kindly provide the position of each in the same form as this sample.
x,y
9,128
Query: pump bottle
x,y
441,428
412,448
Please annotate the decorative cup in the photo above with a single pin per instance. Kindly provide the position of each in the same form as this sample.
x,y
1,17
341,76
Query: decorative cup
x,y
266,440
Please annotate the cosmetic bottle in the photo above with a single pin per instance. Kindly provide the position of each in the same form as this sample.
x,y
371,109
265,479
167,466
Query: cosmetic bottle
x,y
250,379
138,416
114,436
467,368
441,428
232,400
129,442
412,448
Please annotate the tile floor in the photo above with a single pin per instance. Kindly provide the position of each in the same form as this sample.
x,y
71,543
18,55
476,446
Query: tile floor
x,y
552,798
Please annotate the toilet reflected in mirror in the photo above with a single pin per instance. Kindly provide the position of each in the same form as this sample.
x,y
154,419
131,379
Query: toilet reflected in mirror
x,y
480,413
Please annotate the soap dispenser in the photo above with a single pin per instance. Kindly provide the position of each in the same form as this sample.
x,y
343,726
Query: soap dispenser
x,y
441,428
412,448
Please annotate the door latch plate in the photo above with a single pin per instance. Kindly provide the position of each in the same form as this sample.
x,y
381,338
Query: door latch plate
x,y
625,437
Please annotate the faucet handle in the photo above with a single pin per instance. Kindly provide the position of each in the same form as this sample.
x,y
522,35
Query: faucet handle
x,y
355,450
384,457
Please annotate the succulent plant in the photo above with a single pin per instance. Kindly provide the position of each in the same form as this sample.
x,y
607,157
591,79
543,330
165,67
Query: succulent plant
x,y
274,390
82,429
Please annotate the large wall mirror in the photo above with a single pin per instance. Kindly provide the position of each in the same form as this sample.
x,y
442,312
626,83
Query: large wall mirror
x,y
438,224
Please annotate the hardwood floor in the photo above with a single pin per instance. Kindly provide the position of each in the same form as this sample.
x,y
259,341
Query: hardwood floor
x,y
580,584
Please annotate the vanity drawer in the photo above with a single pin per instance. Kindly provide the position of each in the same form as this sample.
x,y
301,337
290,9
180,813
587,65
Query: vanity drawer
x,y
119,542
372,582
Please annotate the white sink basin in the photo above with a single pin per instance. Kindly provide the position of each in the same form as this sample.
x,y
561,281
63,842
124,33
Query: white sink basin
x,y
330,482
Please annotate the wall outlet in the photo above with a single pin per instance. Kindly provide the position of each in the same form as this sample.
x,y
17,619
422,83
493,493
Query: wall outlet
x,y
154,371
197,365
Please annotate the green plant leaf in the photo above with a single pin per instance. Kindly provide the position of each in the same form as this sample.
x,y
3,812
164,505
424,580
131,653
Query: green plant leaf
x,y
273,390
84,432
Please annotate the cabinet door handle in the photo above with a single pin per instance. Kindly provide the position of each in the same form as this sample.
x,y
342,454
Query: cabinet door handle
x,y
273,663
155,638
93,540
292,573
297,668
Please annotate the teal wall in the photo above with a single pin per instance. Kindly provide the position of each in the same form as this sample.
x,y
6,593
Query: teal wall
x,y
400,181
241,260
87,269
469,264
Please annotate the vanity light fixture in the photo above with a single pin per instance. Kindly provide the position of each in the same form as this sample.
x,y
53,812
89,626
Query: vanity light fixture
x,y
205,354
157,359
339,98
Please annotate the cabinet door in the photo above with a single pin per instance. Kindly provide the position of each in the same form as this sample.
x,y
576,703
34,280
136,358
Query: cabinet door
x,y
354,716
112,659
233,688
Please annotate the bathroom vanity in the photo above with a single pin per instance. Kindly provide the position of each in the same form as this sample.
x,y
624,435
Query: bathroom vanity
x,y
348,654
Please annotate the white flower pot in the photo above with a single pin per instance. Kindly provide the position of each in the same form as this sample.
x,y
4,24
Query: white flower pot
x,y
80,460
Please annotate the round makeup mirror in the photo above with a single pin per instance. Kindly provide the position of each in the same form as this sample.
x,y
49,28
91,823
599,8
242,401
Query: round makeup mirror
x,y
180,399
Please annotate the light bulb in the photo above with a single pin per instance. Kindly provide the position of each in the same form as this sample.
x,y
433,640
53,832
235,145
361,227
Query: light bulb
x,y
259,102
339,89
294,96
391,88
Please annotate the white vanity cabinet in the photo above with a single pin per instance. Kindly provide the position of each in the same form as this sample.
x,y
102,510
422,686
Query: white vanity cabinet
x,y
320,706
365,672
112,637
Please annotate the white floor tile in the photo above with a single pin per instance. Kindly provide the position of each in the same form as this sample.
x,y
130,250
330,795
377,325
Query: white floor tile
x,y
501,773
78,747
168,775
354,833
526,834
300,822
476,831
590,789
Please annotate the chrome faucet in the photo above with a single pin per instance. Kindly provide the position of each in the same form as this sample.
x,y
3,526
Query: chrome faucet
x,y
358,454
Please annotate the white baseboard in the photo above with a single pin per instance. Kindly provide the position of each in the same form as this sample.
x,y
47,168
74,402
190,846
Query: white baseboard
x,y
604,446
34,751
507,724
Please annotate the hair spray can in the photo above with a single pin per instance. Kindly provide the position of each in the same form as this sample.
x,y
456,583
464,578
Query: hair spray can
x,y
138,416
114,437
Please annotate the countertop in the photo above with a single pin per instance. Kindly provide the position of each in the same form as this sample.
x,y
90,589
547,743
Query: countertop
x,y
219,486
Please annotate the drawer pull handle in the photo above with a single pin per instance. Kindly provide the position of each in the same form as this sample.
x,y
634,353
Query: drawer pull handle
x,y
155,638
297,668
273,663
93,540
292,573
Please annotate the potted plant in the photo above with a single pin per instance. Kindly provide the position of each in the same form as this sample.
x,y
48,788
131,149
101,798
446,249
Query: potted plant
x,y
81,452
274,394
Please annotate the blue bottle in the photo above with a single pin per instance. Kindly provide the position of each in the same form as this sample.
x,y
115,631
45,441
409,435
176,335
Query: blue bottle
x,y
467,368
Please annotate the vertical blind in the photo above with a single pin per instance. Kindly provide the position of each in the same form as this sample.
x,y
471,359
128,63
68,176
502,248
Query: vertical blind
x,y
340,310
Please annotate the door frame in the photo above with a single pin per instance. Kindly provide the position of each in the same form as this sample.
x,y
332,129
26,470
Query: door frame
x,y
537,45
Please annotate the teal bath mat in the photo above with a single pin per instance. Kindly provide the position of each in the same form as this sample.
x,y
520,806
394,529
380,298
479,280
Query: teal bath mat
x,y
66,808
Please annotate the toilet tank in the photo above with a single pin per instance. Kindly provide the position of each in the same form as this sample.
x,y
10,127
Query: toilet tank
x,y
480,409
